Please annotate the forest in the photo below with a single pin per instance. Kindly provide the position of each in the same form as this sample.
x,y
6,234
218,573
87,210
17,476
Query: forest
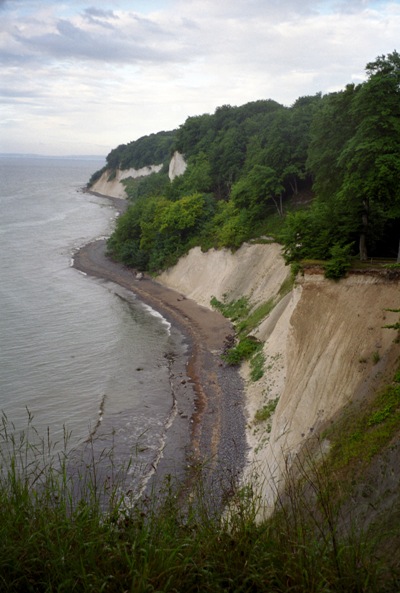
x,y
321,177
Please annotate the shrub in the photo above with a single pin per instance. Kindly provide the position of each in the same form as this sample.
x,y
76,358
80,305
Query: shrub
x,y
233,310
265,413
242,351
96,176
339,263
376,357
254,319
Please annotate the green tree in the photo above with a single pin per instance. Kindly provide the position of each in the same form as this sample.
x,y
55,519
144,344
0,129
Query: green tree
x,y
231,225
196,179
371,158
311,233
333,125
147,150
124,243
167,229
288,140
195,135
227,156
181,217
255,189
155,184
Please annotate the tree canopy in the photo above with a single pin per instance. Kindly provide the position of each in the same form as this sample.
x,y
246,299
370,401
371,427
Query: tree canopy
x,y
354,156
148,150
321,176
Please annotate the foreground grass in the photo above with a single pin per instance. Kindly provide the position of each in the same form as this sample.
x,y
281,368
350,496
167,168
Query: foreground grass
x,y
53,540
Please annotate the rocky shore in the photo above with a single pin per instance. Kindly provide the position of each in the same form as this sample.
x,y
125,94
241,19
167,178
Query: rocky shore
x,y
207,437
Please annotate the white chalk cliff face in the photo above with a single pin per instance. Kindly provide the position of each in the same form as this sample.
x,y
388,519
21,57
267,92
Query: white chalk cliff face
x,y
177,165
114,187
322,342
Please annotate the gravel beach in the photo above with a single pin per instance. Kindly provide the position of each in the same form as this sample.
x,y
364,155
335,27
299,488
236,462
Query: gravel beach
x,y
207,435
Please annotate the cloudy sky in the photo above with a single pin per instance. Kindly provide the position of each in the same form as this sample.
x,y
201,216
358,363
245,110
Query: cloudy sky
x,y
82,76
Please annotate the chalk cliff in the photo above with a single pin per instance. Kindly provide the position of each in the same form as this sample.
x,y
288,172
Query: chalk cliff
x,y
177,165
324,345
110,185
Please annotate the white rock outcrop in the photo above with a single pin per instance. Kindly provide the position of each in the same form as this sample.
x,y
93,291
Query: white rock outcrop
x,y
113,187
110,185
177,165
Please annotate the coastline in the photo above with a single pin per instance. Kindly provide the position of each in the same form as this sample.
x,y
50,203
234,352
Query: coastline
x,y
207,433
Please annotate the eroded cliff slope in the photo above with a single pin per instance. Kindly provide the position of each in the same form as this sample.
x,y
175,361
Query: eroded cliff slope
x,y
324,345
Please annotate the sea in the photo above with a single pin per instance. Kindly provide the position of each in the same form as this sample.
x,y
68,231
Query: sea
x,y
78,355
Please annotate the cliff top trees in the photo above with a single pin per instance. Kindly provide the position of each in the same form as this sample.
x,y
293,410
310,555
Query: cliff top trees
x,y
245,163
354,155
371,158
147,150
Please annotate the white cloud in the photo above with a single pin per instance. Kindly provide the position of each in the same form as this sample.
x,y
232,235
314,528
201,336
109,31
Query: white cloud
x,y
82,75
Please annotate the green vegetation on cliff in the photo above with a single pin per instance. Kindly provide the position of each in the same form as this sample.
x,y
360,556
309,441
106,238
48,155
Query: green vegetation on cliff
x,y
320,176
238,175
146,151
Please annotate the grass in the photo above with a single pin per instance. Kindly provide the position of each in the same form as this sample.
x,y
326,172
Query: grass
x,y
244,350
257,363
376,357
233,310
358,437
52,540
253,320
289,281
265,413
246,321
247,347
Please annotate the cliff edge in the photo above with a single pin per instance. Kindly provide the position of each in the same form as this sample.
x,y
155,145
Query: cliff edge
x,y
110,183
324,346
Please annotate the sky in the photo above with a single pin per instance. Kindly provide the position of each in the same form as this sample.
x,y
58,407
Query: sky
x,y
83,76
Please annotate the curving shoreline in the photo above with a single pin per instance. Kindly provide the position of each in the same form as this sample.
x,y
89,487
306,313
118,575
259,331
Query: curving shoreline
x,y
208,431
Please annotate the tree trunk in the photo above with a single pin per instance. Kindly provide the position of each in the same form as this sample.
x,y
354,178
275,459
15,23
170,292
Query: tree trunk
x,y
398,254
363,234
294,186
278,205
363,247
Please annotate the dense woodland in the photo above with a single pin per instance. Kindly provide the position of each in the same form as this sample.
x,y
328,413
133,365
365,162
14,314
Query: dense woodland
x,y
321,177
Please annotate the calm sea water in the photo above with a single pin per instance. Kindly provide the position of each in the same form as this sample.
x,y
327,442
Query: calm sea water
x,y
73,350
